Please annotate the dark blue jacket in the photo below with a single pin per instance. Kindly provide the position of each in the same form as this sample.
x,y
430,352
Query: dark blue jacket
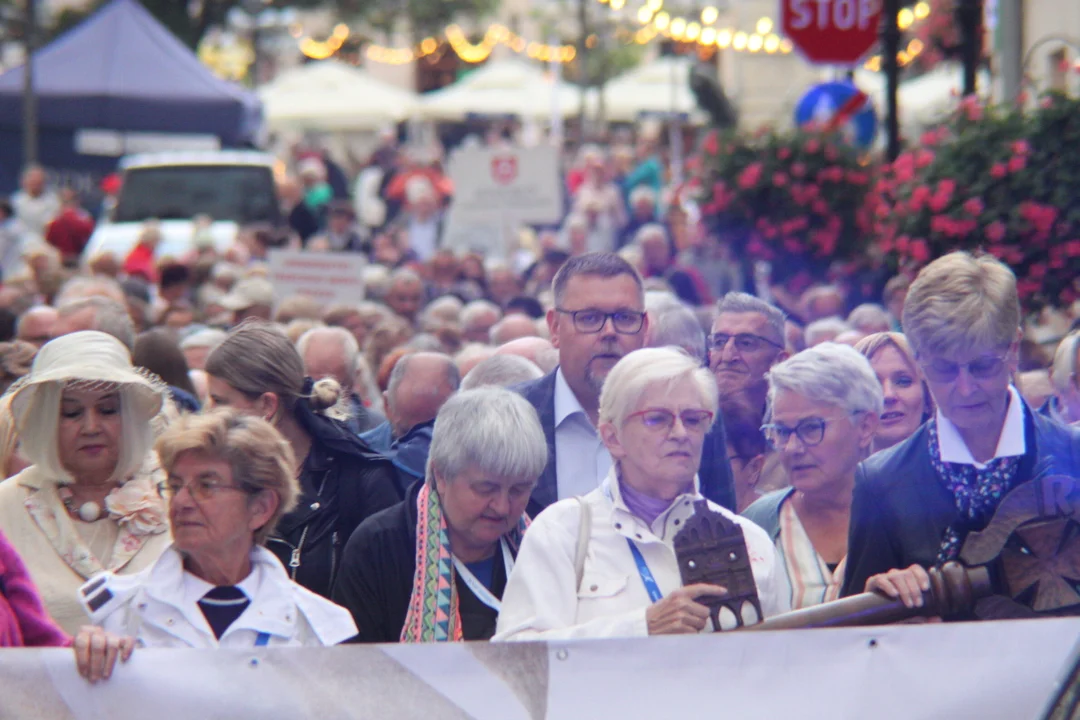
x,y
901,509
717,483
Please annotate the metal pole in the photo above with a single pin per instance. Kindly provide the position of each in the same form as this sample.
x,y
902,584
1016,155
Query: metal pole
x,y
1010,29
970,41
30,122
890,48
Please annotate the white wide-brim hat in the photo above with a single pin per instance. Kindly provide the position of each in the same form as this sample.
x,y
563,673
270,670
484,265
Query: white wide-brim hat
x,y
88,357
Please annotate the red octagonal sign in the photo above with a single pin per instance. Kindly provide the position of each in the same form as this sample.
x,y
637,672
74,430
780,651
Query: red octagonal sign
x,y
831,32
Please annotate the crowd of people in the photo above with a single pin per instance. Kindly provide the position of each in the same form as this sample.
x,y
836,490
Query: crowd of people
x,y
485,452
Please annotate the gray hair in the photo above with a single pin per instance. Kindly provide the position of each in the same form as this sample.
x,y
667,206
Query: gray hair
x,y
110,317
206,338
446,308
501,371
477,308
740,302
678,326
642,192
833,326
401,368
600,264
349,347
491,430
1065,361
648,232
831,374
637,372
84,287
870,318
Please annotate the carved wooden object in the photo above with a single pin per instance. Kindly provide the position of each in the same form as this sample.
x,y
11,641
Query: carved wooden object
x,y
711,549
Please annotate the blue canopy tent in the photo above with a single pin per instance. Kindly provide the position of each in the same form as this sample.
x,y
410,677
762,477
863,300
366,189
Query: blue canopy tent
x,y
120,71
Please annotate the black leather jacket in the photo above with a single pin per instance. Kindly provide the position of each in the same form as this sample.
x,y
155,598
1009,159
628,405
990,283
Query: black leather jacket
x,y
342,483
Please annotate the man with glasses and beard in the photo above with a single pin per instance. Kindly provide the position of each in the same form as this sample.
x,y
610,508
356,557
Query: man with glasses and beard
x,y
915,503
598,318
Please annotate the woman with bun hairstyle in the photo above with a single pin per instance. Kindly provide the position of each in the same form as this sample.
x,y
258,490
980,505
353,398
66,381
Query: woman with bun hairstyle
x,y
257,371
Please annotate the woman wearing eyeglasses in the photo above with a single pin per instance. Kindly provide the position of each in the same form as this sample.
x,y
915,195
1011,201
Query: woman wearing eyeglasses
x,y
823,410
620,576
229,481
915,503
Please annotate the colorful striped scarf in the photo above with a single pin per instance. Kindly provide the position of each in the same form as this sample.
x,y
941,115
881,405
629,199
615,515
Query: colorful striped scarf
x,y
433,607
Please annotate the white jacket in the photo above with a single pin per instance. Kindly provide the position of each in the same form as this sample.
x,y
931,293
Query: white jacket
x,y
152,606
542,600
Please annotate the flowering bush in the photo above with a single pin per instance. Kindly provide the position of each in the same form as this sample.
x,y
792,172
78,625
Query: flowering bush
x,y
996,179
939,34
795,199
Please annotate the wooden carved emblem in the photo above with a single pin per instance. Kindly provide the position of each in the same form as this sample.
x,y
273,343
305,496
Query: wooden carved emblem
x,y
1032,548
711,549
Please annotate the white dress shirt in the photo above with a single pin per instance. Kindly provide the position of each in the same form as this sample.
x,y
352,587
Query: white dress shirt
x,y
1011,442
581,460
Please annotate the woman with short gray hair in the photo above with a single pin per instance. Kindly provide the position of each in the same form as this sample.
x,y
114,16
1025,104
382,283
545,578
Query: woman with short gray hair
x,y
605,565
433,568
823,411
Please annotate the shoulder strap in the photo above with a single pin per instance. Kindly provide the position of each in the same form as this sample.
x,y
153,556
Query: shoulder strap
x,y
584,531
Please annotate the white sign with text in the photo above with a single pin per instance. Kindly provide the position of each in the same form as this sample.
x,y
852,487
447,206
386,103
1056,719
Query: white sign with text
x,y
330,278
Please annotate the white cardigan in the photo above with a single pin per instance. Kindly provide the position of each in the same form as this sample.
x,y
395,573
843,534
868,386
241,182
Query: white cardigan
x,y
542,600
159,609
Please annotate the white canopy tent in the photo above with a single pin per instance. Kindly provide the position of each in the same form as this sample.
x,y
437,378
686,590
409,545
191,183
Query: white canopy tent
x,y
925,100
503,87
331,96
659,87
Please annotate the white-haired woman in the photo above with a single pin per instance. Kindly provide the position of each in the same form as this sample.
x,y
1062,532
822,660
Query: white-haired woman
x,y
89,502
915,503
656,407
230,480
433,568
824,405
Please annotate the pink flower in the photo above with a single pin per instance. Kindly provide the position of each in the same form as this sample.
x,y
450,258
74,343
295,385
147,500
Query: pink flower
x,y
919,251
798,170
1017,163
830,153
751,176
995,231
142,510
999,171
780,179
783,153
924,158
920,196
972,108
974,206
711,145
1072,248
812,145
1021,147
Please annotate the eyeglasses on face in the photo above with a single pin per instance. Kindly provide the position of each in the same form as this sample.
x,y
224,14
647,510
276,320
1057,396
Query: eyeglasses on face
x,y
810,431
744,342
590,320
201,488
983,368
660,420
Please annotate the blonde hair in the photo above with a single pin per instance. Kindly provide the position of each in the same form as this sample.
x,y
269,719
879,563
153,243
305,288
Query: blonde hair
x,y
9,436
961,301
1064,366
871,345
640,370
259,457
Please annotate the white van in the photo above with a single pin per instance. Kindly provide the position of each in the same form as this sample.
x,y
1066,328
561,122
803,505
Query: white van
x,y
233,187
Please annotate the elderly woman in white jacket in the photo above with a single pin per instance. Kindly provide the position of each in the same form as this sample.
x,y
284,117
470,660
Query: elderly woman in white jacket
x,y
656,406
230,480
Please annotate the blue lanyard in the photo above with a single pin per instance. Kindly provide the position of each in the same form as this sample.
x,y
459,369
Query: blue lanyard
x,y
262,640
646,575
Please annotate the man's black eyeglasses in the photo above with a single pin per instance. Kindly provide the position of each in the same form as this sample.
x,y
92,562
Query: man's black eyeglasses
x,y
625,322
744,342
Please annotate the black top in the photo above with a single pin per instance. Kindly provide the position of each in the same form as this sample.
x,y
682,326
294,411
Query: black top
x,y
376,578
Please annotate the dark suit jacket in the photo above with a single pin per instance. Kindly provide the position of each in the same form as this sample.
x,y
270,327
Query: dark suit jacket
x,y
714,475
901,509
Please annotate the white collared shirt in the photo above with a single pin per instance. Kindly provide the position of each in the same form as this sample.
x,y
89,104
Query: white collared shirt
x,y
581,460
1011,442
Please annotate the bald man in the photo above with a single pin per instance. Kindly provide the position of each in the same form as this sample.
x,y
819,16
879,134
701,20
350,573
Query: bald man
x,y
513,327
36,325
535,349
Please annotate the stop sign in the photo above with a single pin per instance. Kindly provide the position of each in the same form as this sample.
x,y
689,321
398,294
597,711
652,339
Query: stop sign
x,y
831,32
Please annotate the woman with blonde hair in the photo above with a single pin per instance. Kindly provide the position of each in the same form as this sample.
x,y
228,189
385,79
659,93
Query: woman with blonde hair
x,y
908,403
259,372
230,482
89,502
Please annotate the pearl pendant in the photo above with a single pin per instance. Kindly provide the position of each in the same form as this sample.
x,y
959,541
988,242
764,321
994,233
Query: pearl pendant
x,y
89,511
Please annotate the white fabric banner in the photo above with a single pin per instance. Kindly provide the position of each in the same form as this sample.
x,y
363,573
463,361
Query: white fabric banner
x,y
974,670
329,278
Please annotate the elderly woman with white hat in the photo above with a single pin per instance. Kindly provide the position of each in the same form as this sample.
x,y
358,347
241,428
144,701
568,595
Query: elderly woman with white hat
x,y
89,501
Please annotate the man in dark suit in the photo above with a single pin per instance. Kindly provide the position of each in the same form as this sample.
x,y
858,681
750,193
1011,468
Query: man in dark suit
x,y
599,317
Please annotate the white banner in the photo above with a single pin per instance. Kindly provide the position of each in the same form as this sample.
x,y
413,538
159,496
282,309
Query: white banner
x,y
329,278
496,191
1005,670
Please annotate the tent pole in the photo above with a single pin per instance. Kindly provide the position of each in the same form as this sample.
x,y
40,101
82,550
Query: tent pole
x,y
30,123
